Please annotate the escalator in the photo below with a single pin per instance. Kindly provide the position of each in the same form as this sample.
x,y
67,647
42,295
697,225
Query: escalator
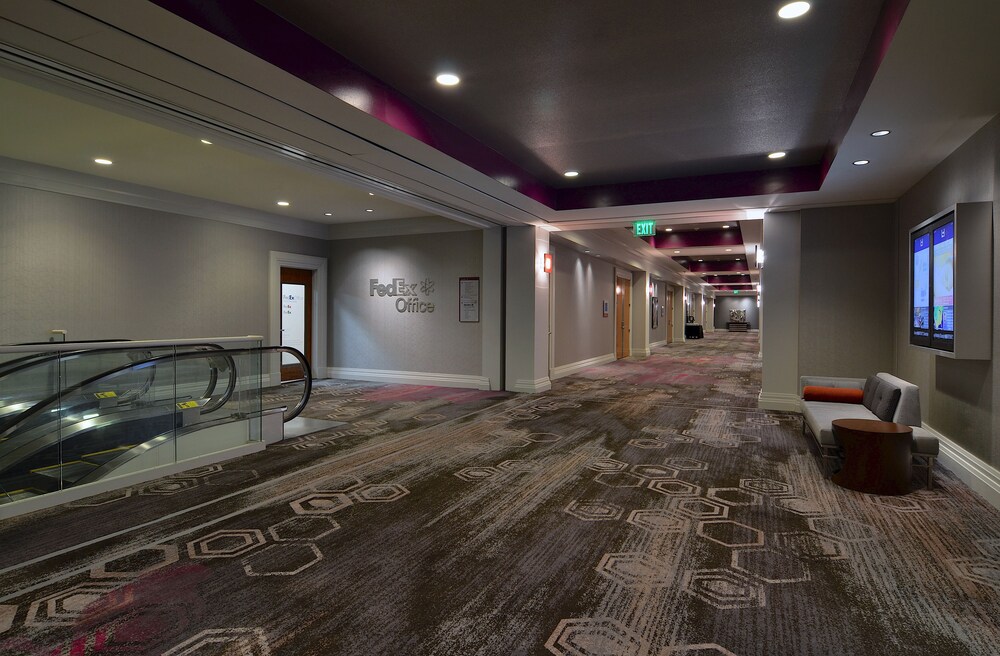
x,y
150,409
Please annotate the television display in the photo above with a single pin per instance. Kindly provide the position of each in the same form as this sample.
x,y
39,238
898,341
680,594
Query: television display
x,y
932,286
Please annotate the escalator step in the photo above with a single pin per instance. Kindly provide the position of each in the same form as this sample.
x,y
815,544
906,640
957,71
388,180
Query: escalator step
x,y
101,457
69,472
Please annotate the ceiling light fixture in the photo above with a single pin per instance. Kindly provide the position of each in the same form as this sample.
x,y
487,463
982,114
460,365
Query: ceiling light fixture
x,y
670,229
571,174
729,250
701,260
369,210
206,142
777,154
283,203
102,161
793,10
677,251
725,227
586,250
328,214
447,79
371,193
860,162
881,133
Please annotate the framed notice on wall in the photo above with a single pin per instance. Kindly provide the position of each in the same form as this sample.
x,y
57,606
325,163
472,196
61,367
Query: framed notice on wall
x,y
468,300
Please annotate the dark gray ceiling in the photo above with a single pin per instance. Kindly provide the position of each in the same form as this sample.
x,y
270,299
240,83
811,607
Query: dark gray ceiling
x,y
620,91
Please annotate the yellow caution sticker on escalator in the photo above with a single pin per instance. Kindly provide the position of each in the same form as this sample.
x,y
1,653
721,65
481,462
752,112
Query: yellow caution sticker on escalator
x,y
187,404
105,395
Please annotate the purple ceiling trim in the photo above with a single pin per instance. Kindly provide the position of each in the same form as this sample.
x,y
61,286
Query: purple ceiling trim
x,y
732,265
696,239
727,279
878,46
721,185
252,27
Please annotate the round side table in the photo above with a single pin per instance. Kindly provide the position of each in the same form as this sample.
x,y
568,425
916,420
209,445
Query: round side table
x,y
877,457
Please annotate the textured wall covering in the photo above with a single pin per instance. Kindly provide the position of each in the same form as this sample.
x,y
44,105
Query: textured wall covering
x,y
958,397
582,283
102,270
846,305
723,304
369,333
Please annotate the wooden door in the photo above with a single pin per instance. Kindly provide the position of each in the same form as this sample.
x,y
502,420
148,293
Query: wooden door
x,y
623,314
296,319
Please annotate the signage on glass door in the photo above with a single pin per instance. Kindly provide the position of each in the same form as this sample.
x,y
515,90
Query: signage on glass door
x,y
407,294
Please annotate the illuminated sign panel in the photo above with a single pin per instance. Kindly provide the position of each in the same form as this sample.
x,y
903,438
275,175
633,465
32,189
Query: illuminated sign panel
x,y
644,228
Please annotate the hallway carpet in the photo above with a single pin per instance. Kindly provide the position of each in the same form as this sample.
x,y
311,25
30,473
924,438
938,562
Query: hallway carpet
x,y
642,508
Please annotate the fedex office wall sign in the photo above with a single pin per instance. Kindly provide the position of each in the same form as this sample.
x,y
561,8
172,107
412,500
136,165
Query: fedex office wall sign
x,y
406,294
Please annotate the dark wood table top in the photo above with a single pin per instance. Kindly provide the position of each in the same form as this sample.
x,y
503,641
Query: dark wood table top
x,y
872,426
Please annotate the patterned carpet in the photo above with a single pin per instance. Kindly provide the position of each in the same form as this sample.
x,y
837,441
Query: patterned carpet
x,y
642,508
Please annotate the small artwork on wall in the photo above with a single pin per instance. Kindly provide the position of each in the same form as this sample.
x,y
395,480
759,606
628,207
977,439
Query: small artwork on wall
x,y
738,316
654,307
604,309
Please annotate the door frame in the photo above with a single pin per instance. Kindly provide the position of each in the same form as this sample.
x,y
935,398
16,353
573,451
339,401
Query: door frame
x,y
318,265
626,313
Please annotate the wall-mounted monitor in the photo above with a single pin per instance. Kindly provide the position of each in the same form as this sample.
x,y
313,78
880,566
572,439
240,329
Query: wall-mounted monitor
x,y
950,297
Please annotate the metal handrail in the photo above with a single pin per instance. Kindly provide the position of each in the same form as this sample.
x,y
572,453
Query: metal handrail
x,y
138,344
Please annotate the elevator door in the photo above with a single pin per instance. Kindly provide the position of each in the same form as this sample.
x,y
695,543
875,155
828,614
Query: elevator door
x,y
296,319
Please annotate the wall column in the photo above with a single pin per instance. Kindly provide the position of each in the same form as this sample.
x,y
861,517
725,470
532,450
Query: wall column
x,y
527,343
709,315
780,343
490,309
679,314
640,313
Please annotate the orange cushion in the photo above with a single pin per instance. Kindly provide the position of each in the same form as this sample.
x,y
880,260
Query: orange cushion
x,y
832,394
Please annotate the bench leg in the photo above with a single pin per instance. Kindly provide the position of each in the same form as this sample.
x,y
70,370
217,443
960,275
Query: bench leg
x,y
930,472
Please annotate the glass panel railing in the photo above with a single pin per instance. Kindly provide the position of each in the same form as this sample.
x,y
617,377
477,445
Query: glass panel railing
x,y
152,405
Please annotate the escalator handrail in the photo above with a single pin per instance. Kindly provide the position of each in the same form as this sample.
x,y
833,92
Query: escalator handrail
x,y
8,426
20,364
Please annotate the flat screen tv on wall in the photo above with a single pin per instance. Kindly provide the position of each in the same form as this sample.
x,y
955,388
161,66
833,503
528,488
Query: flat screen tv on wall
x,y
932,284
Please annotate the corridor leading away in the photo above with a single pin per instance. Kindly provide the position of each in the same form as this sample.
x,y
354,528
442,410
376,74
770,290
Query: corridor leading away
x,y
641,508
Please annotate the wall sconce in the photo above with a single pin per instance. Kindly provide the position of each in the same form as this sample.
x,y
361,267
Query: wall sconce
x,y
618,289
652,289
547,263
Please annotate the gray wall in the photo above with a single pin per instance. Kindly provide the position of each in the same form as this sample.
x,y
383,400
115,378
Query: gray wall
x,y
959,398
102,270
582,283
369,333
847,291
723,304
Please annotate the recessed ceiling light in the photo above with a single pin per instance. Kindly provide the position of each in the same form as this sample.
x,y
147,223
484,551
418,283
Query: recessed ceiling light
x,y
670,229
586,250
729,250
284,203
725,226
328,214
371,193
571,174
677,251
881,133
103,161
701,260
860,162
447,79
369,210
793,10
206,142
777,155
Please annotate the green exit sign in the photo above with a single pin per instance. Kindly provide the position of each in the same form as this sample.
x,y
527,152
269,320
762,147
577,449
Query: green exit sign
x,y
644,228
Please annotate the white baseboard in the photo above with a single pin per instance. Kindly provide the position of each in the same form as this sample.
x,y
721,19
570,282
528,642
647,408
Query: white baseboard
x,y
972,470
662,342
640,352
770,401
532,386
569,369
68,495
410,377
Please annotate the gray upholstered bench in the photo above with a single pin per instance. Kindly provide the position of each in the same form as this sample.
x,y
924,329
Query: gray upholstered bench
x,y
879,402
